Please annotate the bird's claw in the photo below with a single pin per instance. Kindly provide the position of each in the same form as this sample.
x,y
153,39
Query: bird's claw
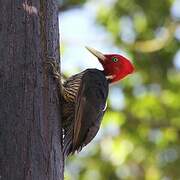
x,y
55,67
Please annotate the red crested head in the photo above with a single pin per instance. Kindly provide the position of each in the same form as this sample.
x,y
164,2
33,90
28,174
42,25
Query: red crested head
x,y
116,67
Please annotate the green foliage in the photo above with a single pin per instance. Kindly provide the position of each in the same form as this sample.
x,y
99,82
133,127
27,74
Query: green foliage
x,y
143,139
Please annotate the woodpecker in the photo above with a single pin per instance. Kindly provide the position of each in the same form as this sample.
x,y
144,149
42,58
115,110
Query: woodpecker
x,y
84,98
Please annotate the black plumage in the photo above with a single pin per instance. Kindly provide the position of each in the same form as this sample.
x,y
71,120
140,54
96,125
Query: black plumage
x,y
84,97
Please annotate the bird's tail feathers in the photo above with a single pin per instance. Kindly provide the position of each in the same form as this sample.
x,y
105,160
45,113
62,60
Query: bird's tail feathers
x,y
67,145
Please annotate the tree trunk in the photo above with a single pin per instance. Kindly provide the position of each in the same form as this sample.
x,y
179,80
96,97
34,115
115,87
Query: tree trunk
x,y
30,126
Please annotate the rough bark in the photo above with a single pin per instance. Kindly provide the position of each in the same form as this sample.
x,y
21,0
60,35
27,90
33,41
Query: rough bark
x,y
30,126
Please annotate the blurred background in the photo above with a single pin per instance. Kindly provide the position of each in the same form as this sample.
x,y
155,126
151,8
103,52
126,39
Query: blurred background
x,y
139,137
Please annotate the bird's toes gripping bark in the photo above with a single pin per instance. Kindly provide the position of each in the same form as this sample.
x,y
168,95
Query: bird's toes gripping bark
x,y
53,65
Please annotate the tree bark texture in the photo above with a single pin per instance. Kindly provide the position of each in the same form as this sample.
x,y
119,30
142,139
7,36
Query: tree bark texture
x,y
30,126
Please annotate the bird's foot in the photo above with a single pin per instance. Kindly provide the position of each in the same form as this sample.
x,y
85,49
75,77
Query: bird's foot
x,y
51,63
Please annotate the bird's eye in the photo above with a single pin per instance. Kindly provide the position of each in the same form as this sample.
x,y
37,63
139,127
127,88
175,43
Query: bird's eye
x,y
114,59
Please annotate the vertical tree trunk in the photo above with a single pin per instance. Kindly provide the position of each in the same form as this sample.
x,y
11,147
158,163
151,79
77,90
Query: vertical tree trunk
x,y
30,126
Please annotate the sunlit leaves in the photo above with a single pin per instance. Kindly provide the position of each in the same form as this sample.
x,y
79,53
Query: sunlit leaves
x,y
140,22
148,107
113,117
117,150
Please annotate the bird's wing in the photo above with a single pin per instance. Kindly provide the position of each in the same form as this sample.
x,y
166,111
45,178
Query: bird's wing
x,y
89,108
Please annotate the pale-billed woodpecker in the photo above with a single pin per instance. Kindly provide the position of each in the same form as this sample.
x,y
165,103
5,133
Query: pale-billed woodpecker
x,y
84,98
